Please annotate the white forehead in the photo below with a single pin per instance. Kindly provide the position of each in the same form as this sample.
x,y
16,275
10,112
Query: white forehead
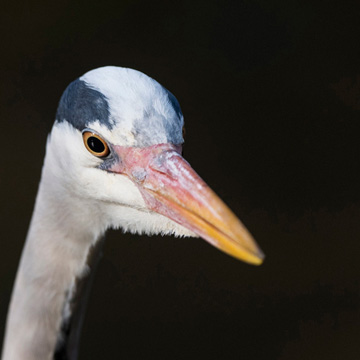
x,y
140,108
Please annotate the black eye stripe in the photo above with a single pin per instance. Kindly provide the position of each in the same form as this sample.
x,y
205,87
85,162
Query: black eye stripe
x,y
95,144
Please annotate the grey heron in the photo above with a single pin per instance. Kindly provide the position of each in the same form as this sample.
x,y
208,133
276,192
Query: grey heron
x,y
113,160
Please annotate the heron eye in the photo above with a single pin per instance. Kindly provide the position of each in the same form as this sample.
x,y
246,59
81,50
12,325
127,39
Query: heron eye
x,y
95,144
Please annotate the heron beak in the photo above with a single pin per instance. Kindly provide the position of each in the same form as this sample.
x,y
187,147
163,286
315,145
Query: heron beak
x,y
172,188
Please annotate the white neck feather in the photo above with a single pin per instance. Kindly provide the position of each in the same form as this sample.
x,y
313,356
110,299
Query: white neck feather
x,y
54,255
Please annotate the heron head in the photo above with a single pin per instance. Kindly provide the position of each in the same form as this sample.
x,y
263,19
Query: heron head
x,y
117,144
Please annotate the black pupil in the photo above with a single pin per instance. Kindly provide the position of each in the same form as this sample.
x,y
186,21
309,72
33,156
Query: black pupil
x,y
95,144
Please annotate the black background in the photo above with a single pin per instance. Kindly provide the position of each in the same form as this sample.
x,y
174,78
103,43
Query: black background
x,y
270,91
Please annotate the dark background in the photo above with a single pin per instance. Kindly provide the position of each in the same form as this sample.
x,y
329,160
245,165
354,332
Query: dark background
x,y
270,91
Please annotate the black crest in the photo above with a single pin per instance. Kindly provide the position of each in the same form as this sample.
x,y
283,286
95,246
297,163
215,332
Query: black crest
x,y
80,105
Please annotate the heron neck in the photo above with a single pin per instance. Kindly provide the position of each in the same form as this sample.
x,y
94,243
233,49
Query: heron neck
x,y
60,254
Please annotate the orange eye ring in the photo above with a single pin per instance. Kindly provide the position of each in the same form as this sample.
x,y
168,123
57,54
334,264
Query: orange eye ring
x,y
95,144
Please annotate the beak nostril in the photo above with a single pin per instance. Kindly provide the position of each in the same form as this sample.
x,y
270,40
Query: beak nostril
x,y
139,174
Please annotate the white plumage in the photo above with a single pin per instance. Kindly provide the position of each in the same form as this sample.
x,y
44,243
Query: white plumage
x,y
81,195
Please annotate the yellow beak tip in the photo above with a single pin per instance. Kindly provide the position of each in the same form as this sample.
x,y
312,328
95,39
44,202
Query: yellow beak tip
x,y
251,258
